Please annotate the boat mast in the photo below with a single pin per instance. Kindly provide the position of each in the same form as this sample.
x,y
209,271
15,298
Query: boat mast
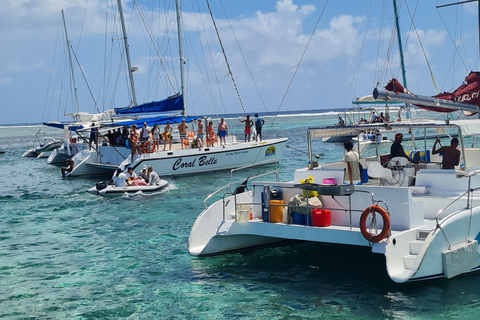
x,y
71,64
180,49
400,50
127,53
467,1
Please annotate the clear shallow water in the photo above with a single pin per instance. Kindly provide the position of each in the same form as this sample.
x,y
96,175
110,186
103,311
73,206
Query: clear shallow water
x,y
66,254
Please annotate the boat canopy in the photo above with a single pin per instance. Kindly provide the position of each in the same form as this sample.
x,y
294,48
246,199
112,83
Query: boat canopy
x,y
59,125
157,120
467,127
173,103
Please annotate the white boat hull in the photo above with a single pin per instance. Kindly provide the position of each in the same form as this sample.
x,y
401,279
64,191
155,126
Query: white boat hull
x,y
192,161
113,191
105,161
48,147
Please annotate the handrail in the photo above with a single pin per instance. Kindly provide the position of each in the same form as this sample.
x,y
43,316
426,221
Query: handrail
x,y
253,165
234,182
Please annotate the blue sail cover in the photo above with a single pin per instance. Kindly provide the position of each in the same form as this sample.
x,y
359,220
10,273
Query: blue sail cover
x,y
157,120
62,125
173,103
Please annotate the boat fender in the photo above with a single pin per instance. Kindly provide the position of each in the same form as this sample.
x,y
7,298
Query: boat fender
x,y
363,223
101,185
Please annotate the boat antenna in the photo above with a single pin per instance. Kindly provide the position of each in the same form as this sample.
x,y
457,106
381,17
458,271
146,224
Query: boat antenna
x,y
180,49
127,53
71,64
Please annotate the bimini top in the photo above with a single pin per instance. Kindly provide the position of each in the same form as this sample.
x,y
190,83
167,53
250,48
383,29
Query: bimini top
x,y
466,127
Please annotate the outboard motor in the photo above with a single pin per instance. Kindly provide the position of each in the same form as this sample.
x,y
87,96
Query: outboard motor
x,y
101,185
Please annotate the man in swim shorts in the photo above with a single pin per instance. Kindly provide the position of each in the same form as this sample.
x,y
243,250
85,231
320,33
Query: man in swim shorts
x,y
222,131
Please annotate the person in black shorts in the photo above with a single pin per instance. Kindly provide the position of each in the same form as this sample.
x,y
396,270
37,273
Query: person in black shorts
x,y
259,122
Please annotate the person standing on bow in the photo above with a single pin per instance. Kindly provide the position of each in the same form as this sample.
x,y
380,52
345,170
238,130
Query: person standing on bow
x,y
156,137
248,127
182,128
167,136
133,141
259,122
200,133
93,136
144,135
222,131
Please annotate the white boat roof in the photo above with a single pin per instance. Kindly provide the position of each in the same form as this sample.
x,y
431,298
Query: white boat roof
x,y
468,127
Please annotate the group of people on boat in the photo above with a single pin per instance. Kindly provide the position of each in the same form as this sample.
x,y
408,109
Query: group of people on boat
x,y
353,174
146,177
259,122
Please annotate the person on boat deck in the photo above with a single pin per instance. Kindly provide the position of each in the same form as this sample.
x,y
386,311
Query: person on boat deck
x,y
182,128
167,136
200,133
119,178
156,137
210,134
382,117
144,133
373,119
451,155
259,122
69,168
396,150
93,136
352,174
153,178
134,142
222,131
341,121
248,127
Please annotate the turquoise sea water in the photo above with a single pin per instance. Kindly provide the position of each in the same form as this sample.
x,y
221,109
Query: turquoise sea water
x,y
67,254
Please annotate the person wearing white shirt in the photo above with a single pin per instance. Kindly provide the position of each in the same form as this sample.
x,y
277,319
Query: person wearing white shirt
x,y
119,178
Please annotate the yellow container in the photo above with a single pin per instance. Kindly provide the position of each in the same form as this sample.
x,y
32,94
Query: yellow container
x,y
276,207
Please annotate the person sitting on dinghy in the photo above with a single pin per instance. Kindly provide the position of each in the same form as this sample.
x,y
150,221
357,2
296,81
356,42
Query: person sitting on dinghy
x,y
119,178
143,173
153,178
131,175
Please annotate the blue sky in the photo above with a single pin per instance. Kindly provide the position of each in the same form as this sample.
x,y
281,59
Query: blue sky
x,y
351,50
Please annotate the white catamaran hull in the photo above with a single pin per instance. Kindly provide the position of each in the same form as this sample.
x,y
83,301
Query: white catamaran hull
x,y
105,161
191,161
427,224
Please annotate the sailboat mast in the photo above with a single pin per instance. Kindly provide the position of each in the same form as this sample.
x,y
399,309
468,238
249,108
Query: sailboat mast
x,y
127,53
71,64
400,46
180,49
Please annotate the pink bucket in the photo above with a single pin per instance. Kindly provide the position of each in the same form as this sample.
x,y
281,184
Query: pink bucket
x,y
329,181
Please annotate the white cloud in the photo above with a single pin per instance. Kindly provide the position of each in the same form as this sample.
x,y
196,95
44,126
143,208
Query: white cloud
x,y
5,81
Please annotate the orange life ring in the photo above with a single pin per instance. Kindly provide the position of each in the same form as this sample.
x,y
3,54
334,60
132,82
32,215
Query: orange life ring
x,y
191,134
363,223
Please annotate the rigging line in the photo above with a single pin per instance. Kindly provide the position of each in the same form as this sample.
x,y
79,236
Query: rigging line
x,y
225,57
300,62
140,12
354,81
83,23
207,87
213,68
423,49
453,41
85,79
243,56
51,68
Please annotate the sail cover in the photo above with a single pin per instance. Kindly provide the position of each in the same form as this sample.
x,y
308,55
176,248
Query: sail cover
x,y
468,92
153,120
59,125
173,103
